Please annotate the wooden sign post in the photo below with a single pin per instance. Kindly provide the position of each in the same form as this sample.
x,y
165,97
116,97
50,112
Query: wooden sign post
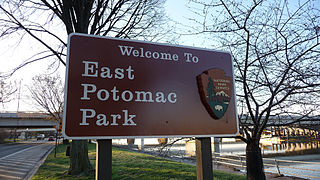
x,y
104,159
119,88
204,158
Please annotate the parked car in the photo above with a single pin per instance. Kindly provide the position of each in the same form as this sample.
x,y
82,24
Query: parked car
x,y
51,138
40,137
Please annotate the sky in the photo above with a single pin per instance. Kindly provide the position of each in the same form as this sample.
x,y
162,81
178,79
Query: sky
x,y
13,52
11,56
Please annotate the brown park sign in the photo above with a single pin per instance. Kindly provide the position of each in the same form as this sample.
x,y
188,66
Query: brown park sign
x,y
117,88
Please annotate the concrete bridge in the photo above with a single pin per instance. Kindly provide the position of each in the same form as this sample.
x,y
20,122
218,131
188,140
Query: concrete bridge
x,y
42,120
289,127
26,120
312,123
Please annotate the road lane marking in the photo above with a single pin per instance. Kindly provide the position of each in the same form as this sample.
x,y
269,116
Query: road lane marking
x,y
7,177
18,152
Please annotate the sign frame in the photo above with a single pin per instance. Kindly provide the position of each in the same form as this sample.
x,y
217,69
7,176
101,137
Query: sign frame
x,y
141,136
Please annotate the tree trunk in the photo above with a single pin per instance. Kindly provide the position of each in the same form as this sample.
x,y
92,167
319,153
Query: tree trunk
x,y
162,141
130,142
255,169
79,160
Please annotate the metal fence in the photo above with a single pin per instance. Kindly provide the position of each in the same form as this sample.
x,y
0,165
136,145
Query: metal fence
x,y
310,170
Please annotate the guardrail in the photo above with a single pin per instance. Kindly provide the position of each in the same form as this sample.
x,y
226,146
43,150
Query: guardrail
x,y
278,166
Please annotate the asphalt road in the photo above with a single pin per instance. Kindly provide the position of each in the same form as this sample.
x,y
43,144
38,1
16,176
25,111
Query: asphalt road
x,y
20,160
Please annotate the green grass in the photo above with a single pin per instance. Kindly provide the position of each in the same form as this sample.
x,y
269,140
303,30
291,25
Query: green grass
x,y
12,140
125,165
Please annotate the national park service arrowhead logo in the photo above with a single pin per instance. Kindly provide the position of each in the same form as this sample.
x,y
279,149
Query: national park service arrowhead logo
x,y
215,90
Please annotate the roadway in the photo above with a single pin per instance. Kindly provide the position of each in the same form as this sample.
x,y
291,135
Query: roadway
x,y
21,160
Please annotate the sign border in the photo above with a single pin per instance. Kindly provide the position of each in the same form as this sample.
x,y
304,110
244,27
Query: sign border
x,y
126,137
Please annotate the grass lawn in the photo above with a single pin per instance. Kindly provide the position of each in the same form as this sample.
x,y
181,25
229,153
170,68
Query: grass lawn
x,y
125,165
12,140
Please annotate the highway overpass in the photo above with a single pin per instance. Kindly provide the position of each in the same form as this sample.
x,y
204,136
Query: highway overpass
x,y
26,120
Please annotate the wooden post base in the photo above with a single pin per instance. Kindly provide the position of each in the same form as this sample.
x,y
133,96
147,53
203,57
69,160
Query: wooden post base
x,y
204,159
104,159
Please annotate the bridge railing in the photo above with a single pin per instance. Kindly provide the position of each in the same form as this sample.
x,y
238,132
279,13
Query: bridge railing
x,y
273,165
26,115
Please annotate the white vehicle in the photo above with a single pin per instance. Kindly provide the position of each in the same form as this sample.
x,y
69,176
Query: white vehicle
x,y
40,137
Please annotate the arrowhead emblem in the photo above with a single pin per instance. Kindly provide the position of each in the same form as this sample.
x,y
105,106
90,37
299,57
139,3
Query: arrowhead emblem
x,y
215,90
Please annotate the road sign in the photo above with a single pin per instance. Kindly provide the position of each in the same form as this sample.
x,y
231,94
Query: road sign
x,y
118,88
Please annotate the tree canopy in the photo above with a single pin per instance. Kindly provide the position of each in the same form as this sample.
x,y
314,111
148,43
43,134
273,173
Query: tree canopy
x,y
47,92
48,22
275,46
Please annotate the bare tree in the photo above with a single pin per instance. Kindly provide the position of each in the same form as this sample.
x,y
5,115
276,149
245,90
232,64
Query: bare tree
x,y
7,89
275,46
43,20
47,91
